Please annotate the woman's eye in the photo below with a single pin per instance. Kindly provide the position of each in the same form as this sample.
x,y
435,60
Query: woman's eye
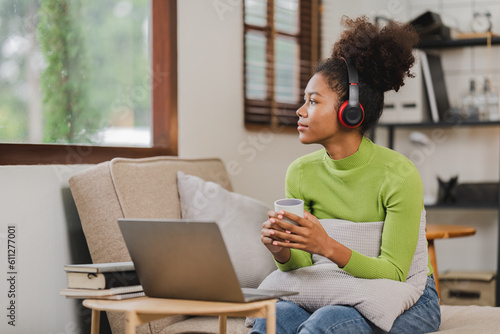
x,y
310,101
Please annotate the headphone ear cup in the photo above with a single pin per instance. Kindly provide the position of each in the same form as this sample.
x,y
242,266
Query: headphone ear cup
x,y
341,113
351,117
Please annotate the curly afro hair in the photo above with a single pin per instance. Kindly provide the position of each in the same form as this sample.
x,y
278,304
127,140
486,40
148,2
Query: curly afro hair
x,y
382,56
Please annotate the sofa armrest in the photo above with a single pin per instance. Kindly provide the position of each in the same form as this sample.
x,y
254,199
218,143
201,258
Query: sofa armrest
x,y
99,208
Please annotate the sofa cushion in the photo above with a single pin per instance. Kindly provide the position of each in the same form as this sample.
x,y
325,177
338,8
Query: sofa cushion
x,y
469,319
240,220
146,188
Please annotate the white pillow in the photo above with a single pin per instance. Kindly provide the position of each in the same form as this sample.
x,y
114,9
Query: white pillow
x,y
380,300
240,220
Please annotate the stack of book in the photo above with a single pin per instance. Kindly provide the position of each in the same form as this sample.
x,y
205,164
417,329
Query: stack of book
x,y
117,280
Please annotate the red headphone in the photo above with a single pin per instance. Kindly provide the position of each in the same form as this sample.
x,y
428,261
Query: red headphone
x,y
351,112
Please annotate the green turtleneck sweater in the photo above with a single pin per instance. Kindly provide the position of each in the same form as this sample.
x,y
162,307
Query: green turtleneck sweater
x,y
373,184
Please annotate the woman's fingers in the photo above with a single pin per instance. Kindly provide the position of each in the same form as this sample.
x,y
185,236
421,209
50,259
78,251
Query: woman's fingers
x,y
286,236
271,214
272,223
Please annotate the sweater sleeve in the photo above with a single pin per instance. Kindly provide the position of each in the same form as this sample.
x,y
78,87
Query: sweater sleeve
x,y
298,258
402,196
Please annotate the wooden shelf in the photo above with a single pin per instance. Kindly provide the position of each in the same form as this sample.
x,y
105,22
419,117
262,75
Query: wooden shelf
x,y
486,206
443,124
456,43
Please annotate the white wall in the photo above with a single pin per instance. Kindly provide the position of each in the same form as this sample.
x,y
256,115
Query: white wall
x,y
37,201
36,198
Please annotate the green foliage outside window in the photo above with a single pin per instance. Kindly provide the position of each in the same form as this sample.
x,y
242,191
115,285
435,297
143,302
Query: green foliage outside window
x,y
68,117
70,70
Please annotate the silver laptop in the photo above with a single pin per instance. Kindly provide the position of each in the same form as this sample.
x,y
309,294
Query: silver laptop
x,y
185,259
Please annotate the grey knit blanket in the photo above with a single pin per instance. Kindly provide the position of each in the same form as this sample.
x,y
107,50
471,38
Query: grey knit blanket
x,y
380,300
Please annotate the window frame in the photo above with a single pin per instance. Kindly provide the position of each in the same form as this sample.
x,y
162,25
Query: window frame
x,y
269,111
164,108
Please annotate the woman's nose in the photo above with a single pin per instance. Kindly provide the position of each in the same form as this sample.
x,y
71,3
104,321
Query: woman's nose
x,y
302,112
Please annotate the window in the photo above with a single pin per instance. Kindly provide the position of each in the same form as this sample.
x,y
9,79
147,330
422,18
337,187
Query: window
x,y
94,95
281,48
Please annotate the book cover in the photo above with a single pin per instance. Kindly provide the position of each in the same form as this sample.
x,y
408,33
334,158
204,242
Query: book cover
x,y
100,267
435,86
124,296
93,293
114,297
106,280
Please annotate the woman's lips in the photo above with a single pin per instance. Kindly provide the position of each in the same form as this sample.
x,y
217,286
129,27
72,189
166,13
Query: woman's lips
x,y
301,126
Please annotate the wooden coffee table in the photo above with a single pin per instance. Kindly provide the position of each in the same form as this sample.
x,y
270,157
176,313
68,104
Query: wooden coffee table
x,y
145,309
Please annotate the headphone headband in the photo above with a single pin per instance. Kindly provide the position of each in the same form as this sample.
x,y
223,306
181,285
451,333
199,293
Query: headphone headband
x,y
351,71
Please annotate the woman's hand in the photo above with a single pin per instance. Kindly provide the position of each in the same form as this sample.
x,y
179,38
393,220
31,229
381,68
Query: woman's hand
x,y
268,236
309,236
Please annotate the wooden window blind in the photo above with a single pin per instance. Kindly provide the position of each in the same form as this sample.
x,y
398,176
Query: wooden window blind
x,y
281,46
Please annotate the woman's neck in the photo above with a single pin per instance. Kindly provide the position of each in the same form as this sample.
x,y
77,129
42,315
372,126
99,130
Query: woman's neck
x,y
345,147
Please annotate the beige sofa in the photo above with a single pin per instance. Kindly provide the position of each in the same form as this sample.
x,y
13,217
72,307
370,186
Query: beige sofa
x,y
141,188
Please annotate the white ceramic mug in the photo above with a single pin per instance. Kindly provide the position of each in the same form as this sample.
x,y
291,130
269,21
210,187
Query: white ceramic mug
x,y
292,205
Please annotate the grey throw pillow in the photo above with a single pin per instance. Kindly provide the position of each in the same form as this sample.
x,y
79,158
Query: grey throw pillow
x,y
380,300
240,220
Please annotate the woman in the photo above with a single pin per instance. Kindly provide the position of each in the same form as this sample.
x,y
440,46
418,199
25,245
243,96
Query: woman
x,y
353,179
